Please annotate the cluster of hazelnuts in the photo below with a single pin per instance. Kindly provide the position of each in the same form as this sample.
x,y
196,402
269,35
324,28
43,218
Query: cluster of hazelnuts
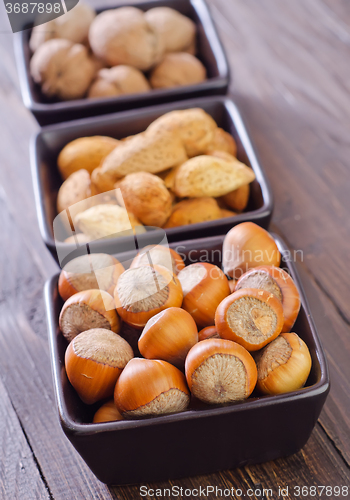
x,y
243,341
118,52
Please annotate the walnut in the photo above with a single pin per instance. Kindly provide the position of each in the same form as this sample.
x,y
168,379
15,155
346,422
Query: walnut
x,y
73,26
119,80
176,31
63,69
176,69
122,36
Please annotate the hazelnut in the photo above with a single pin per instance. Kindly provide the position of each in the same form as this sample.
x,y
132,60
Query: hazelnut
x,y
159,255
62,69
250,317
94,360
75,189
93,271
177,69
108,412
193,211
122,36
86,310
143,292
120,80
237,199
146,196
220,371
176,31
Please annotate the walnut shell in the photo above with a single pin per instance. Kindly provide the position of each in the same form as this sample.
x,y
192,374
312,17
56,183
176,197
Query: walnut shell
x,y
193,211
106,221
62,69
122,36
195,127
86,153
76,188
146,196
73,26
119,80
176,31
210,176
177,69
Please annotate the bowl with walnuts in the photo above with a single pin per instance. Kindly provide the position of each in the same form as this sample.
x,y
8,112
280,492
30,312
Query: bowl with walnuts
x,y
184,169
89,62
186,358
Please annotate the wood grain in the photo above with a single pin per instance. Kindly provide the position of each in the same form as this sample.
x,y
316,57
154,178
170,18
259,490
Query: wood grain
x,y
291,81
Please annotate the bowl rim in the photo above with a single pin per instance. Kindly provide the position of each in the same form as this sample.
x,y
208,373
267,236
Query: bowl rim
x,y
264,212
70,426
213,84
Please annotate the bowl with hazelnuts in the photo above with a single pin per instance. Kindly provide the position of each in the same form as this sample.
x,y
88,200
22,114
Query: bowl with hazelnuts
x,y
186,169
184,359
89,62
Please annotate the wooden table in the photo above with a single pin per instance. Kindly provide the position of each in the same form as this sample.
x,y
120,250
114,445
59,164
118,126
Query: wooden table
x,y
291,81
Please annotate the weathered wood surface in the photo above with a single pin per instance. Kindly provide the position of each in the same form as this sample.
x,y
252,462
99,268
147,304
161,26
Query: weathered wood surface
x,y
291,79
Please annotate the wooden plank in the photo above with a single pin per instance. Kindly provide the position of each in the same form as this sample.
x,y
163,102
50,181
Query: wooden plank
x,y
19,475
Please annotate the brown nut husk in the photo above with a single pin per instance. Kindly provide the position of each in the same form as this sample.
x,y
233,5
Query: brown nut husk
x,y
220,371
150,387
62,69
284,365
176,31
194,126
122,36
193,211
84,153
210,176
88,309
222,141
75,189
146,196
107,221
178,69
94,360
119,80
92,271
73,26
148,152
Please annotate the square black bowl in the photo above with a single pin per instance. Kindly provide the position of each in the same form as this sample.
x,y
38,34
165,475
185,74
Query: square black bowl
x,y
210,52
203,439
47,144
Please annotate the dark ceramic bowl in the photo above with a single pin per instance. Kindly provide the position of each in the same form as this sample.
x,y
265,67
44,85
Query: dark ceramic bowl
x,y
210,52
47,144
203,439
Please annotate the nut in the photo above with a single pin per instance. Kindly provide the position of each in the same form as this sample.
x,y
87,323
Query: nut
x,y
143,292
222,141
107,221
94,360
204,286
73,26
75,189
220,371
177,69
86,153
237,199
193,211
120,80
122,36
159,255
93,271
149,387
62,69
176,32
108,412
86,310
210,176
250,317
146,196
